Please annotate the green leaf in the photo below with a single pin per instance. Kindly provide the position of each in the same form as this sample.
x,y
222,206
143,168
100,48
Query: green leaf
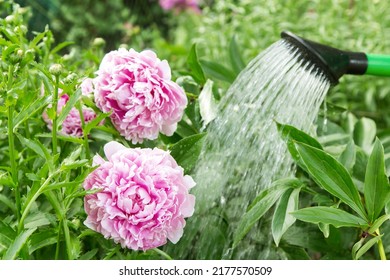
x,y
235,57
196,69
68,106
324,228
89,255
217,71
331,175
367,246
95,122
60,47
7,235
17,244
42,239
187,151
282,219
378,222
207,104
38,219
329,215
357,246
8,202
364,133
32,145
348,156
30,110
376,183
290,135
261,204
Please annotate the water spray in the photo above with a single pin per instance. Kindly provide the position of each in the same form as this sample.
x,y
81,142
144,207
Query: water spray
x,y
335,63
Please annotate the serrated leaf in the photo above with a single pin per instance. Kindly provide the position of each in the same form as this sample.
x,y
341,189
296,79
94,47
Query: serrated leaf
x,y
89,255
376,183
187,151
282,219
329,215
38,219
32,145
42,239
331,175
30,110
7,235
17,244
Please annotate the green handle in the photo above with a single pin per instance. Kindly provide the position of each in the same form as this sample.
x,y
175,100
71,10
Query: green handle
x,y
378,65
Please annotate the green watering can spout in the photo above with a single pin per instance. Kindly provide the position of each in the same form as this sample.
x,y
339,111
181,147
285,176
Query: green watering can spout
x,y
335,63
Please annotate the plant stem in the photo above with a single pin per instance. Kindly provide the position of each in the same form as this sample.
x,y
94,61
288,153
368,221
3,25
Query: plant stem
x,y
55,105
381,249
85,135
162,253
11,142
12,156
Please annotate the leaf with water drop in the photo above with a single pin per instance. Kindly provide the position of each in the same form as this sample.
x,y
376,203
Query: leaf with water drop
x,y
187,151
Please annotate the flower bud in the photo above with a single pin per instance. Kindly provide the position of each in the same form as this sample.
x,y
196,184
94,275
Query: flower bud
x,y
20,29
99,42
10,19
56,69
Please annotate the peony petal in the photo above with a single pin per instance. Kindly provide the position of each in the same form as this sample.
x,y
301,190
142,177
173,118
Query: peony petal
x,y
111,148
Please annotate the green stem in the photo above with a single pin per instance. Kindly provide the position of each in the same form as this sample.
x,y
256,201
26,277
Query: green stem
x,y
55,105
68,242
11,142
85,135
381,249
57,254
29,204
163,254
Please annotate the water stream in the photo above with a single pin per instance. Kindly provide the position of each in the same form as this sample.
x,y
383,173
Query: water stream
x,y
243,152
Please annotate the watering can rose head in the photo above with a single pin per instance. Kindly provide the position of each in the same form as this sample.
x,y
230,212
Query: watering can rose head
x,y
143,198
138,90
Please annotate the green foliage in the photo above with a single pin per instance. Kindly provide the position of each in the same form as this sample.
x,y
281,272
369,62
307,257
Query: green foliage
x,y
334,177
42,171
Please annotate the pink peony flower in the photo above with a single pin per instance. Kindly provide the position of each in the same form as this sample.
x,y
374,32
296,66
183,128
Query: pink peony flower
x,y
180,5
137,87
143,199
87,87
72,125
